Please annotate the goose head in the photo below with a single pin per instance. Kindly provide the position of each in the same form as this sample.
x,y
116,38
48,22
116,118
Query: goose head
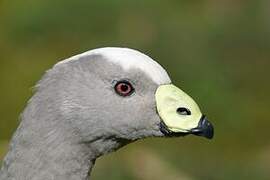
x,y
123,95
92,104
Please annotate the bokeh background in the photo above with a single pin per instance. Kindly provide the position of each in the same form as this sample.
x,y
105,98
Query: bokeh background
x,y
216,50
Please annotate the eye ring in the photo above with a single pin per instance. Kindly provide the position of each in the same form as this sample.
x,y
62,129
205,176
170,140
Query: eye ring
x,y
124,88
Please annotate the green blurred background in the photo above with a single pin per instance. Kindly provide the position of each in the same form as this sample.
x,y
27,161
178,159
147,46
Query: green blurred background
x,y
216,50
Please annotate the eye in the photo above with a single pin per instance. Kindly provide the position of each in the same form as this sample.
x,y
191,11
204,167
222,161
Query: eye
x,y
123,88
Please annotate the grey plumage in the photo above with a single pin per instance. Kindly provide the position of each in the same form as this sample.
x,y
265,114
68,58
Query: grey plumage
x,y
75,117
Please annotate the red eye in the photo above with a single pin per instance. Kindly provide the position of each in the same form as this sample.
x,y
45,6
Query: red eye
x,y
123,88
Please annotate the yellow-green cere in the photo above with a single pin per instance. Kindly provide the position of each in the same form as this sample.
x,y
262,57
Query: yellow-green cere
x,y
168,99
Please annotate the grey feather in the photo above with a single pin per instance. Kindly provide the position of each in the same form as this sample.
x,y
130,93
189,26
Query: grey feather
x,y
75,116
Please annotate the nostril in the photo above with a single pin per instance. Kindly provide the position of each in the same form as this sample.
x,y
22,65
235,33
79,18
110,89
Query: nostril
x,y
183,111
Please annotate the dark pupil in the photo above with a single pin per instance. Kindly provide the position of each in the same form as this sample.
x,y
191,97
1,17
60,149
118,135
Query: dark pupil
x,y
124,87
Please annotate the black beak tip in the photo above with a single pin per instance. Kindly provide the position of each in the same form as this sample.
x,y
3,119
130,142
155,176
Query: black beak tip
x,y
205,129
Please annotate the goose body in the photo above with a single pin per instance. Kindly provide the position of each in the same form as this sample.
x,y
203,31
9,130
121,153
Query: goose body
x,y
92,104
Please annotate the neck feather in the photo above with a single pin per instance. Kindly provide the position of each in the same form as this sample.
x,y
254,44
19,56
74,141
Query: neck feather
x,y
46,145
45,148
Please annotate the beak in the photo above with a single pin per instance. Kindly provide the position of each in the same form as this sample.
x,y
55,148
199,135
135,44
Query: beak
x,y
205,129
180,114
